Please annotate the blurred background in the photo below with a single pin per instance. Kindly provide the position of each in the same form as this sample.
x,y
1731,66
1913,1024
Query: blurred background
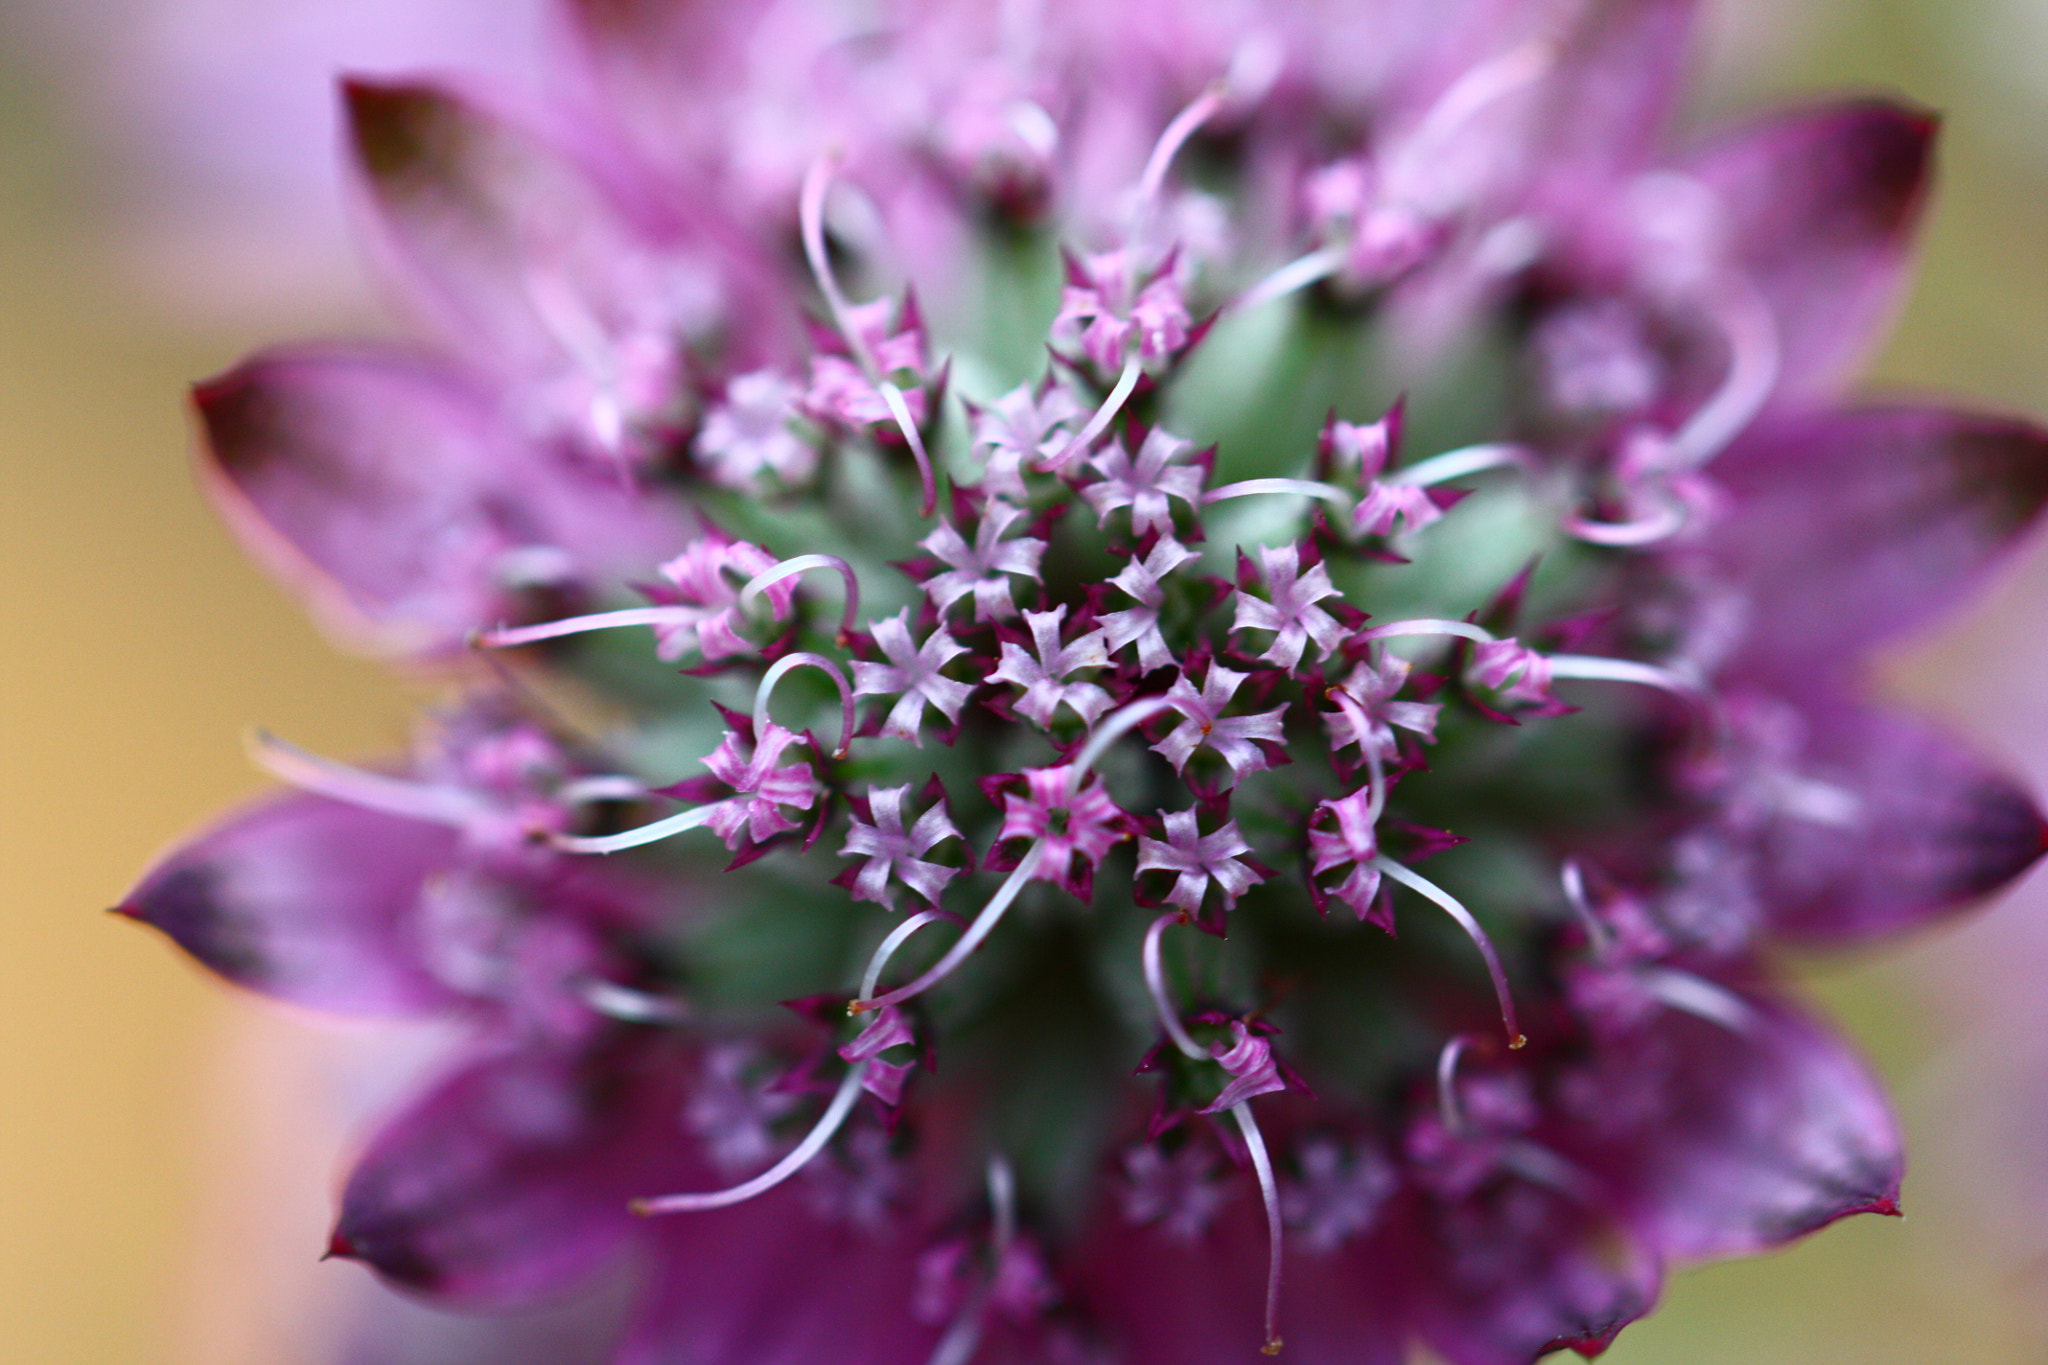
x,y
168,1152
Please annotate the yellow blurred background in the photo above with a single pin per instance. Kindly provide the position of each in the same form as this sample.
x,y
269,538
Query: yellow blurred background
x,y
168,1151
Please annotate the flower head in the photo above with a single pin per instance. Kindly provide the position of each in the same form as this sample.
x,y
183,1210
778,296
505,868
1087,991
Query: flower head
x,y
1227,666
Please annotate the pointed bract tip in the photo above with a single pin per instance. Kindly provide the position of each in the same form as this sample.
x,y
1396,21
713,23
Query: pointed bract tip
x,y
128,910
340,1246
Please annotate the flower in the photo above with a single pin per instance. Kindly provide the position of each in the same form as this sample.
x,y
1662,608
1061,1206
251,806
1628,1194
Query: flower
x,y
1592,653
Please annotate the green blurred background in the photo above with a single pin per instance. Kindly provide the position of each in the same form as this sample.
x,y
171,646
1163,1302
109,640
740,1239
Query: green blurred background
x,y
168,1152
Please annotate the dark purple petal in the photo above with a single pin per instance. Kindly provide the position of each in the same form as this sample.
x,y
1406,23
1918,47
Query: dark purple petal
x,y
1820,210
544,251
1754,1136
1174,1300
769,1283
305,899
1519,1270
1929,829
511,1179
1854,527
1618,75
382,486
461,196
382,1328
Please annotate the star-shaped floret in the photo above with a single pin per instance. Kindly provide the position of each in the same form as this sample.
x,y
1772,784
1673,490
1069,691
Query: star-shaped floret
x,y
1198,859
1384,508
703,577
896,854
913,671
1073,826
731,1112
1237,740
1100,319
1248,1061
1145,484
886,1028
762,784
1339,1195
982,568
1359,452
1379,231
1181,1193
1512,669
841,393
748,434
1371,713
1044,678
1022,428
1140,581
1354,843
1291,613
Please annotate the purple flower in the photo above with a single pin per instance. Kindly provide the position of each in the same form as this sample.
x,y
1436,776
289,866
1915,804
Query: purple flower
x,y
894,853
984,568
1624,772
1198,861
1071,823
1242,742
1042,670
1145,483
912,675
1289,607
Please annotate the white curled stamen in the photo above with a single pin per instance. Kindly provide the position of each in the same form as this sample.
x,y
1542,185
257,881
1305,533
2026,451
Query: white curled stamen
x,y
1297,274
1155,983
1451,906
624,1003
642,834
381,792
582,791
957,1347
1753,362
811,225
1699,997
750,595
805,659
1119,393
507,636
1697,696
1119,724
1427,626
1597,934
1305,488
888,946
1184,126
1269,1192
900,410
799,1157
984,924
1449,1109
1458,464
1666,521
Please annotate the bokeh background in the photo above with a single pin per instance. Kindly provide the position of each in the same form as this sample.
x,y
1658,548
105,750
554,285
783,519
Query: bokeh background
x,y
168,1151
